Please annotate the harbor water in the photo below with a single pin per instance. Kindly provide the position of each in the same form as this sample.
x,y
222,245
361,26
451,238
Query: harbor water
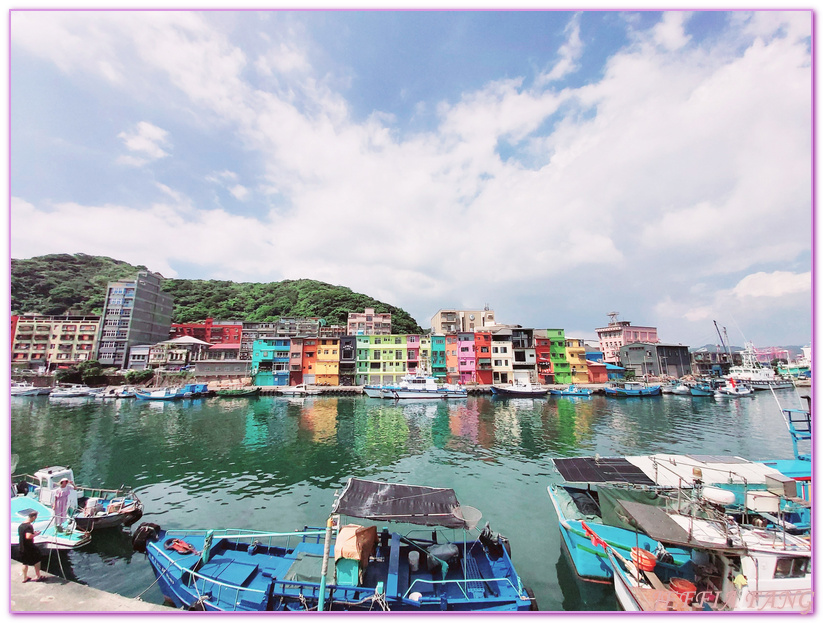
x,y
273,463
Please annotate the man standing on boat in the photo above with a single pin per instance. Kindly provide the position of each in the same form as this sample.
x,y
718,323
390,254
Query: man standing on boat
x,y
62,498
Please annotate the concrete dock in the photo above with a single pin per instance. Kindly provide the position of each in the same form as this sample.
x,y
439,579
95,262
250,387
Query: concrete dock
x,y
58,595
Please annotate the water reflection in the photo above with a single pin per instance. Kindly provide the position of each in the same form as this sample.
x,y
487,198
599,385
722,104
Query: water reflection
x,y
274,462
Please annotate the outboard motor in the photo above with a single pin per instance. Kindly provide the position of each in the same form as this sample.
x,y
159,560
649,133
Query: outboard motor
x,y
145,532
494,543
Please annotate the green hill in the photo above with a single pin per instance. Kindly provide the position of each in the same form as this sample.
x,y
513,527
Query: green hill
x,y
76,284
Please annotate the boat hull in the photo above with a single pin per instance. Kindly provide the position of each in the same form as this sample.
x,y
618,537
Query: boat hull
x,y
518,393
238,575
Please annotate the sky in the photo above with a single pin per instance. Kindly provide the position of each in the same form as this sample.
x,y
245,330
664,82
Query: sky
x,y
556,166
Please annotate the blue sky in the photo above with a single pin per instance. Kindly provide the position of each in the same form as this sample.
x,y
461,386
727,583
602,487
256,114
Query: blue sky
x,y
555,165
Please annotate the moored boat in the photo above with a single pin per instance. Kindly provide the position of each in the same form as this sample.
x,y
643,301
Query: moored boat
x,y
298,390
67,537
344,566
239,392
73,390
733,568
571,390
416,386
754,375
161,393
631,388
91,508
519,389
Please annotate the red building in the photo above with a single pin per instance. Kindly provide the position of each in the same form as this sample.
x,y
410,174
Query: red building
x,y
542,354
221,332
483,349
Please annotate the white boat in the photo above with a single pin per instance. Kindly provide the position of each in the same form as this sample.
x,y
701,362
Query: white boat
x,y
68,537
74,390
733,390
117,391
681,389
733,568
751,373
24,388
298,390
417,387
522,389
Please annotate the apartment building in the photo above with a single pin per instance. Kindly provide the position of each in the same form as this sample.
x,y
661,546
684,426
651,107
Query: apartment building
x,y
618,333
136,311
50,342
576,358
210,330
369,323
461,320
327,371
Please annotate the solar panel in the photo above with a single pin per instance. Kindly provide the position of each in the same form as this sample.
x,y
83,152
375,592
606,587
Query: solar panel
x,y
595,469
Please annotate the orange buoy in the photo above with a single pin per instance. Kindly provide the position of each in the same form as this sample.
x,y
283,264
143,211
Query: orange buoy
x,y
644,559
683,588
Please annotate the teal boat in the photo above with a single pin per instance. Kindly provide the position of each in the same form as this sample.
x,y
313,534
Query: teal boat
x,y
631,388
571,390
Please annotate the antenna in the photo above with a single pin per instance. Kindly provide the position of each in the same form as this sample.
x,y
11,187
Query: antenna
x,y
613,317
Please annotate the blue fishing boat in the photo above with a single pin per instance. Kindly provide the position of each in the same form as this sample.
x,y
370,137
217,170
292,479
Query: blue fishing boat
x,y
631,388
571,390
753,493
581,514
163,393
344,566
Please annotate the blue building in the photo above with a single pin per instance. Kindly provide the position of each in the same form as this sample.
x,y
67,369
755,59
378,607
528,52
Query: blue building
x,y
270,362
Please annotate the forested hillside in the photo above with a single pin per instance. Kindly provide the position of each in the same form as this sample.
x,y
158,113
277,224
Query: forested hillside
x,y
60,284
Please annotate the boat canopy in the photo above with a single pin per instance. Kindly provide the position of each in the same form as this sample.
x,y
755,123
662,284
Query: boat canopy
x,y
596,470
383,501
660,526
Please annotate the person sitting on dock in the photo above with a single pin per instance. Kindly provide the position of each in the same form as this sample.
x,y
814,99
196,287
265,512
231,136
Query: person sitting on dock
x,y
29,554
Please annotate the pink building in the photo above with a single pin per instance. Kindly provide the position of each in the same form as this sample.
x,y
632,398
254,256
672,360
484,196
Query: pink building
x,y
466,357
619,333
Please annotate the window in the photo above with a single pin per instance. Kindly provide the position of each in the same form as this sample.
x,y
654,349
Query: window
x,y
791,567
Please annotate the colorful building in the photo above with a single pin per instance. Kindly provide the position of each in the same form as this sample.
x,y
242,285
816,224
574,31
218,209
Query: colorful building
x,y
438,356
382,360
327,371
483,351
502,368
270,362
561,370
618,334
296,360
576,358
219,332
51,342
466,358
309,360
452,371
543,359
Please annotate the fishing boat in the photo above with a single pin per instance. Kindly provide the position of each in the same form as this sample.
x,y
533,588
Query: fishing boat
x,y
519,389
631,388
571,390
731,389
753,492
681,389
161,393
116,392
73,390
25,388
239,392
298,390
344,566
68,537
733,568
418,386
90,508
751,373
705,387
193,390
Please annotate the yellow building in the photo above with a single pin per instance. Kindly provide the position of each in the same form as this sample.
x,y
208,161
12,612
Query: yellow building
x,y
327,362
576,356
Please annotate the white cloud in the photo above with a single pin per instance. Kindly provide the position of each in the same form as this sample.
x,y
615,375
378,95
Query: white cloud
x,y
145,140
569,54
675,162
773,285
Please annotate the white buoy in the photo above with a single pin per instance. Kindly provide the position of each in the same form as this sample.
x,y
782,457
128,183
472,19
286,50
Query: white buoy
x,y
718,496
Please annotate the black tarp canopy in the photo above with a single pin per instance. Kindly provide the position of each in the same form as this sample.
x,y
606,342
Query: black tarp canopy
x,y
383,501
596,470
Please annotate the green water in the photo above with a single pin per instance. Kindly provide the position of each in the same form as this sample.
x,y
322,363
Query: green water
x,y
274,463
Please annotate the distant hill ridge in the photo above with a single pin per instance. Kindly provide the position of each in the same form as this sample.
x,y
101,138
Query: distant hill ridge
x,y
61,284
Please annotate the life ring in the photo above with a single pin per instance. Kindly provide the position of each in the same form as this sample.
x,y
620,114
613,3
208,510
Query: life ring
x,y
179,546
